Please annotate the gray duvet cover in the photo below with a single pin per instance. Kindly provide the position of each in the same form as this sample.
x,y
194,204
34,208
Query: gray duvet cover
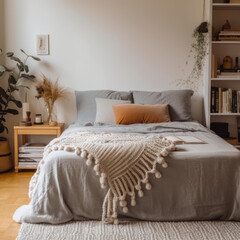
x,y
202,182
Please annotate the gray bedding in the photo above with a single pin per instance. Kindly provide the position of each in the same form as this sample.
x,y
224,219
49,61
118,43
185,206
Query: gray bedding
x,y
202,182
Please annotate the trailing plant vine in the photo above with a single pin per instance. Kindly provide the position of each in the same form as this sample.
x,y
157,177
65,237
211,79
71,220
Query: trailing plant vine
x,y
199,51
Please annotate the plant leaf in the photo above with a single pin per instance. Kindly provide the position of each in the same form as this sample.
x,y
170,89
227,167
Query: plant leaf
x,y
3,112
12,80
26,68
13,88
2,128
9,54
20,67
2,119
27,76
12,111
3,93
17,102
2,101
35,58
23,51
16,59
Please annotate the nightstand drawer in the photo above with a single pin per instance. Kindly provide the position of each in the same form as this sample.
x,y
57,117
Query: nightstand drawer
x,y
38,132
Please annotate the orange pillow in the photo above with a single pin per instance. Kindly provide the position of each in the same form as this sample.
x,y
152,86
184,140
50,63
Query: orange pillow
x,y
137,113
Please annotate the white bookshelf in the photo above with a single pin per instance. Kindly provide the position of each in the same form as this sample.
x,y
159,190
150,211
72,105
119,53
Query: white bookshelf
x,y
219,13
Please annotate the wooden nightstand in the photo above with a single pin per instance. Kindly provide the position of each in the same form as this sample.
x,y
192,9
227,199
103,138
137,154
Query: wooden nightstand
x,y
33,130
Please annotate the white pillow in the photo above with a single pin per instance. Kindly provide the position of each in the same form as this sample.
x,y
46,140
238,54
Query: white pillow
x,y
105,112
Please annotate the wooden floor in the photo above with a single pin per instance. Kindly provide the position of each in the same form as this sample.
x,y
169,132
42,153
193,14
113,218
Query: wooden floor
x,y
13,194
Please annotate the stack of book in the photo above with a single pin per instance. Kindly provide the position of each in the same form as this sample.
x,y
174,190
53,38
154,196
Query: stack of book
x,y
229,75
225,100
229,35
30,154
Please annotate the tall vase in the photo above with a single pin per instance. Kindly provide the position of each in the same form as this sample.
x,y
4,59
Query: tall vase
x,y
49,112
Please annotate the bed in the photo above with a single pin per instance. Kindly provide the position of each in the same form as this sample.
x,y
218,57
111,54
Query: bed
x,y
200,183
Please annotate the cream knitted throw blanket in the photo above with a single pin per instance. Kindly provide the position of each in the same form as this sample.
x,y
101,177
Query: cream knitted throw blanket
x,y
123,162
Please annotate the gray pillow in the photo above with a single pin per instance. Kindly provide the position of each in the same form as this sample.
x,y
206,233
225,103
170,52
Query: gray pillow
x,y
179,102
86,105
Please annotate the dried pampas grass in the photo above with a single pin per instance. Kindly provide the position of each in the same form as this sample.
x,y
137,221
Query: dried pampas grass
x,y
50,92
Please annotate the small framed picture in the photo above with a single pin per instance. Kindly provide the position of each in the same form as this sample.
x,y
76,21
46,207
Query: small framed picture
x,y
42,44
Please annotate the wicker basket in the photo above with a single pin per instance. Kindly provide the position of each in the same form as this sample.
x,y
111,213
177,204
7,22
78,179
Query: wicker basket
x,y
5,155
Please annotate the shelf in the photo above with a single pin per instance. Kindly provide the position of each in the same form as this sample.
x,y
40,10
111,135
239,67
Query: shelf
x,y
32,130
225,42
225,114
226,79
224,6
26,167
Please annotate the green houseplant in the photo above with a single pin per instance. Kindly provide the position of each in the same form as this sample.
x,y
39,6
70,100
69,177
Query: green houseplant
x,y
14,77
199,51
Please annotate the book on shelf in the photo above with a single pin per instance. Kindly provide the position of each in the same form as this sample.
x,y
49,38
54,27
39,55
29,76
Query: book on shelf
x,y
231,70
228,76
234,74
229,33
30,155
234,1
29,147
29,159
225,100
30,164
31,152
214,66
229,38
220,100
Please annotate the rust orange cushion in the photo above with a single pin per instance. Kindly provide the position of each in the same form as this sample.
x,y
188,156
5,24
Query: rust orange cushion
x,y
138,113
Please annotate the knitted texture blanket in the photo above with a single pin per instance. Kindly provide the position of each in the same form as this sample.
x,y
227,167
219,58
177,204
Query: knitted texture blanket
x,y
123,162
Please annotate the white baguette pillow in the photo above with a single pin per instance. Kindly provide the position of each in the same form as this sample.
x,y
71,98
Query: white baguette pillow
x,y
105,112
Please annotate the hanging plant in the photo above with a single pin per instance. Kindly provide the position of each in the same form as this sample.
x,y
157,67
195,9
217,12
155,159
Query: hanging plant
x,y
199,51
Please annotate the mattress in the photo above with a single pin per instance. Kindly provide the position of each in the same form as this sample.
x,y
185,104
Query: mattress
x,y
202,181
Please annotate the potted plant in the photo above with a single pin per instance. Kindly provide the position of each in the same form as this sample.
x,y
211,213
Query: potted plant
x,y
14,78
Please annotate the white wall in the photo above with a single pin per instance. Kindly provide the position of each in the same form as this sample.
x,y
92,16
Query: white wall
x,y
1,26
117,44
107,44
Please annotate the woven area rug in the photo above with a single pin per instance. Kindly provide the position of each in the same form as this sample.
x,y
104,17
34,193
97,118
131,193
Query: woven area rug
x,y
93,230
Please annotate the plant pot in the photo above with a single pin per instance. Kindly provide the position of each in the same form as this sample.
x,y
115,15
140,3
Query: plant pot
x,y
5,155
